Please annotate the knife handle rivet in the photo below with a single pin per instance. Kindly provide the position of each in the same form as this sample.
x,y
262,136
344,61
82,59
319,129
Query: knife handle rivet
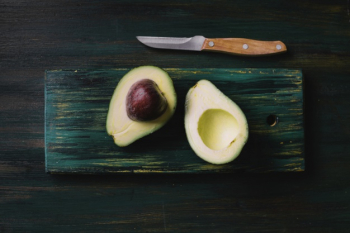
x,y
211,43
245,46
278,47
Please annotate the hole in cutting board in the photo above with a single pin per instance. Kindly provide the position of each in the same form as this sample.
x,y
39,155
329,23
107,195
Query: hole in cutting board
x,y
272,120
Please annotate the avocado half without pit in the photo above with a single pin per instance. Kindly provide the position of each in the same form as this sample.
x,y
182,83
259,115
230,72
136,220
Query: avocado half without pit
x,y
216,127
143,101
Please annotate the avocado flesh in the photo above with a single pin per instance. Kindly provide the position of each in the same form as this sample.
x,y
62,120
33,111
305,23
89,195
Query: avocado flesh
x,y
126,131
216,127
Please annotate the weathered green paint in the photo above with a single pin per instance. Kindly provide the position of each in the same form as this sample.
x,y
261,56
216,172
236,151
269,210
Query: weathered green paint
x,y
77,105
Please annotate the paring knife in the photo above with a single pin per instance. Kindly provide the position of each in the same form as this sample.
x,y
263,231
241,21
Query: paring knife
x,y
238,46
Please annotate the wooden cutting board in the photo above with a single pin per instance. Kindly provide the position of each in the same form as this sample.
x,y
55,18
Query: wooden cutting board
x,y
76,106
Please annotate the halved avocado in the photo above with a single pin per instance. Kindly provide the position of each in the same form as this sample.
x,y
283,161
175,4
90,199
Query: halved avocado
x,y
216,127
143,101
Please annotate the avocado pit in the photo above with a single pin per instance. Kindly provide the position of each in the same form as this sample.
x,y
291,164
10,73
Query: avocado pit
x,y
145,101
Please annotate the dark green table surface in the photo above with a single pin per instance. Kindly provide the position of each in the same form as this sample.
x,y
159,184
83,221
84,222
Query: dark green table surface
x,y
44,35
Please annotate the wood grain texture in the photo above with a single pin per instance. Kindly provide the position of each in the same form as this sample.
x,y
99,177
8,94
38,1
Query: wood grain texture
x,y
242,46
60,34
77,104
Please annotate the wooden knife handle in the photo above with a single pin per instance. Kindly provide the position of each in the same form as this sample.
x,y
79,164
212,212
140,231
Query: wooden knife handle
x,y
241,46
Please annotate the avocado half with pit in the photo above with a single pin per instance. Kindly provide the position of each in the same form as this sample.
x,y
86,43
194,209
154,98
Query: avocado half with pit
x,y
143,101
216,127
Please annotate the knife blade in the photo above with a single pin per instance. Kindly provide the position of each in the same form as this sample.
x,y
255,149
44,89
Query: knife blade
x,y
237,46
